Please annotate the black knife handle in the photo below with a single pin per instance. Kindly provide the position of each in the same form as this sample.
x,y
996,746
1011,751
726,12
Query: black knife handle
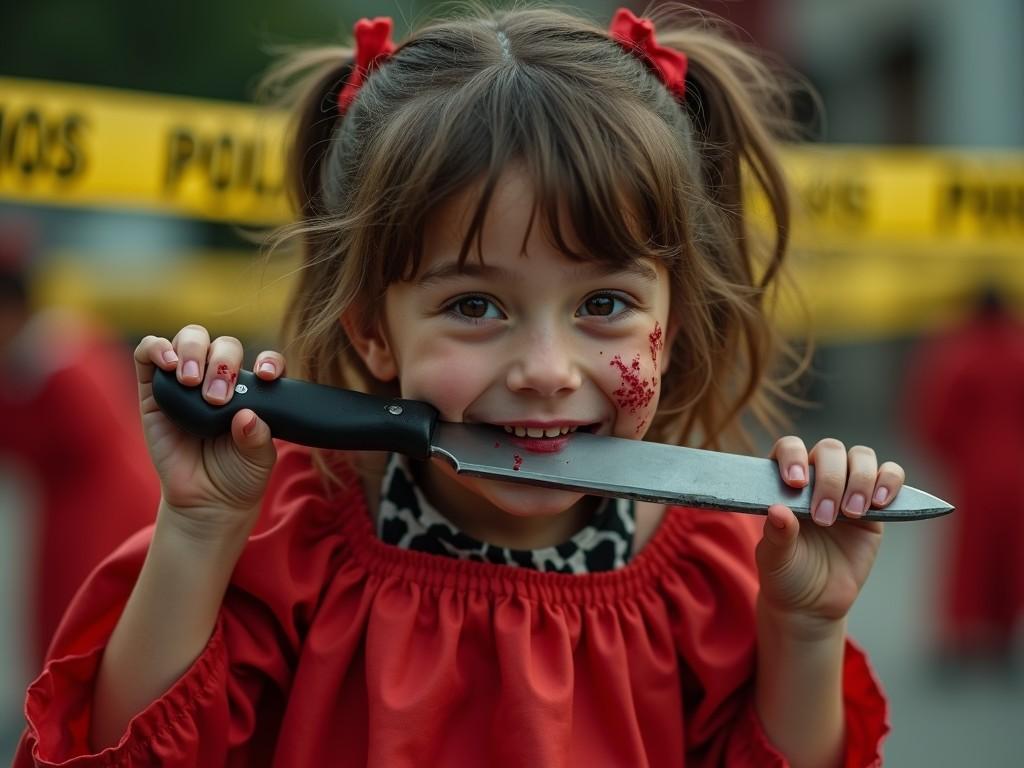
x,y
309,414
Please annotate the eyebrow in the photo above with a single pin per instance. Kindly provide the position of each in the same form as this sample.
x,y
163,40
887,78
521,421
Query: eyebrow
x,y
451,269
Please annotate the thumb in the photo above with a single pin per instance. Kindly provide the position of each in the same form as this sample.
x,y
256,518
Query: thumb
x,y
252,440
777,547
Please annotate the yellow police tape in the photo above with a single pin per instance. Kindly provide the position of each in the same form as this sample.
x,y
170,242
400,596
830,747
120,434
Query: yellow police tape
x,y
887,240
75,145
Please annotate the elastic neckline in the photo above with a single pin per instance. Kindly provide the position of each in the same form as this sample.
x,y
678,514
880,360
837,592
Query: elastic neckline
x,y
640,575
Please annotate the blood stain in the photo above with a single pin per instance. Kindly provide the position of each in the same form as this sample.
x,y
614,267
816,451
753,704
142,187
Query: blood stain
x,y
497,445
517,462
657,341
636,392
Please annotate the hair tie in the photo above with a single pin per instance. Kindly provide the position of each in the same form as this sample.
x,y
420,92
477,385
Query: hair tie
x,y
373,46
637,37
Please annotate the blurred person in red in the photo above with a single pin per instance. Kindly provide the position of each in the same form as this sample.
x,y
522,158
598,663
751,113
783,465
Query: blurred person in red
x,y
966,398
70,431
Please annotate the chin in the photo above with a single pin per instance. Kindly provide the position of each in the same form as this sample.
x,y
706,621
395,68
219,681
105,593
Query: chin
x,y
521,500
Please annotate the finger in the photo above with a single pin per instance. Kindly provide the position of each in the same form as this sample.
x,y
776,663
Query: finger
x,y
829,459
862,471
269,365
222,369
253,439
192,343
777,547
791,455
153,351
890,479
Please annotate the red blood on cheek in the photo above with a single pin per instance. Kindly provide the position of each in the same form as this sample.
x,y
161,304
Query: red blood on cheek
x,y
657,341
636,391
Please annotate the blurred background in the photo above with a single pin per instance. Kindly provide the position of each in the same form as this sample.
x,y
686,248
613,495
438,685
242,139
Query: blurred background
x,y
909,255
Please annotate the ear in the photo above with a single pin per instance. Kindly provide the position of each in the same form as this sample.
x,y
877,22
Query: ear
x,y
371,344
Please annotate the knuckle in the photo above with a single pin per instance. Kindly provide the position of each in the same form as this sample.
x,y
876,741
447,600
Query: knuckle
x,y
227,340
862,451
829,479
831,444
788,444
891,469
861,480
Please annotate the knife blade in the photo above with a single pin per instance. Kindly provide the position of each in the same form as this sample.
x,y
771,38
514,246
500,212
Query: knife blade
x,y
328,417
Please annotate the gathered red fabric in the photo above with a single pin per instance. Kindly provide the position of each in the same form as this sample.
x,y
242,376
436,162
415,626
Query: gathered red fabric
x,y
334,648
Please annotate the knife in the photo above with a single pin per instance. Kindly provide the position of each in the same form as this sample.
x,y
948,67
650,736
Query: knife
x,y
328,417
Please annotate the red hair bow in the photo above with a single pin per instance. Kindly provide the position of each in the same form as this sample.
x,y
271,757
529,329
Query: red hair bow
x,y
637,37
373,45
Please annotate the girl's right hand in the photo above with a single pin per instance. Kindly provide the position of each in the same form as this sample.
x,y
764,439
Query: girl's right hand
x,y
211,488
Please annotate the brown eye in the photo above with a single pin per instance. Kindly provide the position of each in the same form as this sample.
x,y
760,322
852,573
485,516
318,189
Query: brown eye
x,y
601,305
473,307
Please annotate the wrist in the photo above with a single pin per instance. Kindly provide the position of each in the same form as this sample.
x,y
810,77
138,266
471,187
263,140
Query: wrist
x,y
798,627
211,536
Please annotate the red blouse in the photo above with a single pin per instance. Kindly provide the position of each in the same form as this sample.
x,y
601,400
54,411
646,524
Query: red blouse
x,y
334,648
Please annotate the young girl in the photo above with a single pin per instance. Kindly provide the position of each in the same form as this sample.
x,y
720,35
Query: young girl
x,y
533,223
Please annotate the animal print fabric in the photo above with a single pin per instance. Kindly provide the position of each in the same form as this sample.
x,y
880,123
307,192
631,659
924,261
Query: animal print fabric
x,y
407,520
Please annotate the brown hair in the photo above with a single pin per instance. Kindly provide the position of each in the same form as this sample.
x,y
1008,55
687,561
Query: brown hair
x,y
464,97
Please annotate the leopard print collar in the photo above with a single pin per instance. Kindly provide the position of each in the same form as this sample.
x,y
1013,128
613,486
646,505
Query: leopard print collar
x,y
406,519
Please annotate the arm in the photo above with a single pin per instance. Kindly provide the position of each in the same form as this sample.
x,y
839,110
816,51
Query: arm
x,y
810,573
211,491
799,690
166,623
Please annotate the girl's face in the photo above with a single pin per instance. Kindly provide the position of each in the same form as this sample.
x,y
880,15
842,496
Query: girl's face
x,y
530,342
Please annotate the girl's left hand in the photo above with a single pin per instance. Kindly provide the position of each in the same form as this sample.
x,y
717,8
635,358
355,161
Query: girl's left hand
x,y
813,570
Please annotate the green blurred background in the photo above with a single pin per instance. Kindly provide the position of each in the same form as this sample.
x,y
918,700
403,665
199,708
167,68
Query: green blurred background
x,y
909,73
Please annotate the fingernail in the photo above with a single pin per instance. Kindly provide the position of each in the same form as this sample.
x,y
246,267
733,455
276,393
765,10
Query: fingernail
x,y
190,370
855,505
218,389
169,356
268,367
248,428
796,474
825,514
881,495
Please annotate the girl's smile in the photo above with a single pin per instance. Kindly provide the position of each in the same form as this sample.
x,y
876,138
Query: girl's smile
x,y
523,338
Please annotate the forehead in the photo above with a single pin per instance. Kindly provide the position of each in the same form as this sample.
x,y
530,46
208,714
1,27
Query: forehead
x,y
471,234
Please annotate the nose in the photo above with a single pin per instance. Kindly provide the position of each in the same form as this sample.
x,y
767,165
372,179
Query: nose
x,y
545,365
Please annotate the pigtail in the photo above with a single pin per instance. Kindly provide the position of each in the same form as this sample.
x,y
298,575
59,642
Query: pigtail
x,y
740,111
307,83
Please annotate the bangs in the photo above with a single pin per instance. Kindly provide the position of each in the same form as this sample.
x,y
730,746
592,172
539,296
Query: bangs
x,y
608,173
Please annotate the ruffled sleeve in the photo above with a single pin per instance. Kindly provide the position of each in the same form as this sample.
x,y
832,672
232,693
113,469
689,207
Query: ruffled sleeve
x,y
713,591
225,710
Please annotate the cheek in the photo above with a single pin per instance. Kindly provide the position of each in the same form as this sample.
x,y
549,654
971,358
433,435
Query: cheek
x,y
630,378
449,377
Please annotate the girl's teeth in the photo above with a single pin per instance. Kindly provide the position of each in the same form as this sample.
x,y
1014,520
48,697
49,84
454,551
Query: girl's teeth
x,y
536,432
